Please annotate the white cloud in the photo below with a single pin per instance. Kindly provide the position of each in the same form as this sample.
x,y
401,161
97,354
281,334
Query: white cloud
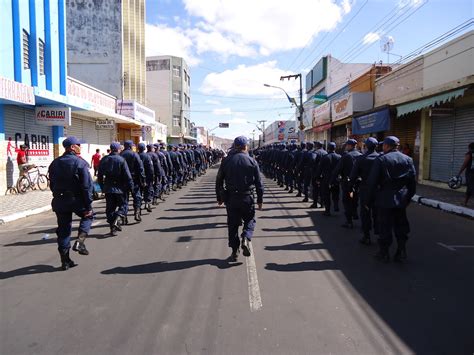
x,y
248,81
213,102
270,25
238,121
411,3
371,37
222,111
164,40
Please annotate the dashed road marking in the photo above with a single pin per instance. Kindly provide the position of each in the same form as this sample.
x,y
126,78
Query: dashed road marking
x,y
255,298
454,247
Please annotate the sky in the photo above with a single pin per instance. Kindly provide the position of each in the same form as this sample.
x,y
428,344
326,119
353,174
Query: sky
x,y
234,47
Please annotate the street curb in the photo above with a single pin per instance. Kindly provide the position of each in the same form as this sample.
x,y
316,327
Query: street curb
x,y
444,206
24,214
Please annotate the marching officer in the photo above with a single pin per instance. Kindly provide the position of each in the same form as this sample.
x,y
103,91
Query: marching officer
x,y
319,153
158,172
298,165
147,188
344,169
359,175
307,161
392,182
71,184
115,180
137,172
323,173
236,179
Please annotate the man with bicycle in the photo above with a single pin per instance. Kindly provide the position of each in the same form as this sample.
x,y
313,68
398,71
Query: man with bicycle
x,y
71,184
22,160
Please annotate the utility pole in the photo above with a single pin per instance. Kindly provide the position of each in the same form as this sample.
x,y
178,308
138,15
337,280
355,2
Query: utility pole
x,y
262,122
300,108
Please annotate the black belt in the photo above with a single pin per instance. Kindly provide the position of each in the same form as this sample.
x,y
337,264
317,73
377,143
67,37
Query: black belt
x,y
64,194
241,192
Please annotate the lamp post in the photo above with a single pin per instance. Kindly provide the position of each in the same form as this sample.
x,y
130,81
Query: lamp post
x,y
261,129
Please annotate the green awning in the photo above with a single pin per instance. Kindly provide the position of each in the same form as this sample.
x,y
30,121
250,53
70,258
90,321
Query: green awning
x,y
428,102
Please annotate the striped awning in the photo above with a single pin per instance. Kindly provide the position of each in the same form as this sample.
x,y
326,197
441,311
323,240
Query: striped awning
x,y
405,109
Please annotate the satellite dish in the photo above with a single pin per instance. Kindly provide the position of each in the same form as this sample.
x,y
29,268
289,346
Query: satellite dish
x,y
386,44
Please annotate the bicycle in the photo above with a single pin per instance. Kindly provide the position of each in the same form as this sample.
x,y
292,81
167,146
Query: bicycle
x,y
31,179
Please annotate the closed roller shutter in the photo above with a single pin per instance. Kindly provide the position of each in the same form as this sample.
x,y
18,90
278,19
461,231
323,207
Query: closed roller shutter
x,y
463,135
442,135
21,128
105,136
75,129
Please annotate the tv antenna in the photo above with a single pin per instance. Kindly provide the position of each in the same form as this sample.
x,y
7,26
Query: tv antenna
x,y
386,45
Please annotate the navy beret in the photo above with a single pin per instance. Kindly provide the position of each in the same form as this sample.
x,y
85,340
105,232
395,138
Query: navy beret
x,y
371,142
240,141
128,144
332,145
391,140
141,145
71,141
115,146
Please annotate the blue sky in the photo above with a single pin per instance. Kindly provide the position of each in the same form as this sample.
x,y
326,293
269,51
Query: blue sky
x,y
235,46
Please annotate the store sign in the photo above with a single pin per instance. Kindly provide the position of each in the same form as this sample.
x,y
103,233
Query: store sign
x,y
53,116
374,122
320,71
18,92
133,109
319,99
321,114
90,97
342,107
136,132
104,125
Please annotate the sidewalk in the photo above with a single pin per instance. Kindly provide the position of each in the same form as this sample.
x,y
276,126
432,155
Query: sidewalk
x,y
13,207
444,199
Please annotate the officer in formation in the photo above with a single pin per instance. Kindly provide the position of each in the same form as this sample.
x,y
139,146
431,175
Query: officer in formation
x,y
120,174
382,180
237,178
71,185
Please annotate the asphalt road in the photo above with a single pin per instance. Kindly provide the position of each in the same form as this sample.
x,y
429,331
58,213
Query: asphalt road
x,y
163,286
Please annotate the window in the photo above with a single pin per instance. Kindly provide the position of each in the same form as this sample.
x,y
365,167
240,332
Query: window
x,y
176,121
41,57
26,50
185,76
177,71
185,99
177,96
189,80
160,64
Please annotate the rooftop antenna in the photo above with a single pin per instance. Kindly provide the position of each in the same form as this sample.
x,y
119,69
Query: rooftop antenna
x,y
386,45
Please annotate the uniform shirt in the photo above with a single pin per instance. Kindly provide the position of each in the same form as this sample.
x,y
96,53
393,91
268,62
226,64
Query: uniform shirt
x,y
327,165
135,165
147,166
240,174
392,180
70,174
157,168
319,154
363,166
344,167
114,176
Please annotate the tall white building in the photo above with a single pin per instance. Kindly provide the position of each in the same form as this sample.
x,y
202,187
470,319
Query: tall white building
x,y
168,84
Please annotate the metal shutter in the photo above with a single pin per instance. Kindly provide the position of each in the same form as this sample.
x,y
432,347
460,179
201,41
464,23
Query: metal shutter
x,y
463,135
105,136
442,138
89,133
75,129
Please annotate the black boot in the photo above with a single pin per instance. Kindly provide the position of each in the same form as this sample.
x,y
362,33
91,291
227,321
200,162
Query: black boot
x,y
365,240
305,199
235,255
245,246
314,205
66,261
382,255
348,225
291,190
79,245
298,194
116,223
124,220
113,231
400,254
138,215
148,207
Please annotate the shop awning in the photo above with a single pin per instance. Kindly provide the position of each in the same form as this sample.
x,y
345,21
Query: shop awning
x,y
405,109
377,121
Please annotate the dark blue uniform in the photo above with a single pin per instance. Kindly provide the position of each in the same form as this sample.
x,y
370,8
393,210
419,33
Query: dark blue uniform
x,y
359,176
307,161
237,178
344,169
158,173
329,191
147,188
392,184
319,154
135,166
115,180
71,184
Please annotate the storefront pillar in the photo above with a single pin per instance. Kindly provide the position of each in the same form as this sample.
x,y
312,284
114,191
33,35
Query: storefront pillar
x,y
425,146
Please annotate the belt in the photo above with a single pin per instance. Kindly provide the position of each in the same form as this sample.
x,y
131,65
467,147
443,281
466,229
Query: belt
x,y
64,194
241,192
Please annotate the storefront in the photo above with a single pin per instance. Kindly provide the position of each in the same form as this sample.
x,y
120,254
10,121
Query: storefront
x,y
373,123
142,125
322,122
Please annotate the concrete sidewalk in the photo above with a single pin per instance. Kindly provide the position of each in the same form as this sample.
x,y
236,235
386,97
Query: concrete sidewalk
x,y
13,207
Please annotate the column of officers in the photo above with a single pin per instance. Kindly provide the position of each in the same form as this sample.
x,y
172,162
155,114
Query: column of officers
x,y
146,173
376,184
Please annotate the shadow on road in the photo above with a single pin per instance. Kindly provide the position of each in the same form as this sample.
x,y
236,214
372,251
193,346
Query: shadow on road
x,y
163,266
28,270
303,266
202,216
296,246
188,228
51,240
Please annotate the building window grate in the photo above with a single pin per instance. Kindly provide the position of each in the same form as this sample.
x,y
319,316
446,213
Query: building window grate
x,y
26,50
41,57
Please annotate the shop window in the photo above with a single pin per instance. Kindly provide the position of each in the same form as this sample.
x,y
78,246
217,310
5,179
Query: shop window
x,y
26,50
41,57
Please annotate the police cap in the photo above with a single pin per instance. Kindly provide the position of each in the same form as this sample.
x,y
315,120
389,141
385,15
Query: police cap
x,y
115,146
332,145
71,141
391,140
128,144
240,141
371,142
351,142
141,146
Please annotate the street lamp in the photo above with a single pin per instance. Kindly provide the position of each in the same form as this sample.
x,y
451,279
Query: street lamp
x,y
292,101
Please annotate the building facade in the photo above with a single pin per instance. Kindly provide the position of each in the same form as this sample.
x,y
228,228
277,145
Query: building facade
x,y
169,87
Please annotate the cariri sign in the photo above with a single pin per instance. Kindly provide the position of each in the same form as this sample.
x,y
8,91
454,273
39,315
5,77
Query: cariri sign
x,y
53,116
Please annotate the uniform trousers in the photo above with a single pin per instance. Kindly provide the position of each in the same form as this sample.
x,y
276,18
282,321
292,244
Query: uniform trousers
x,y
136,195
328,194
368,215
114,206
350,203
393,221
240,208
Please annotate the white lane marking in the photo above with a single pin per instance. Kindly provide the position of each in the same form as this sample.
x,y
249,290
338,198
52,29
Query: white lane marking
x,y
454,247
255,298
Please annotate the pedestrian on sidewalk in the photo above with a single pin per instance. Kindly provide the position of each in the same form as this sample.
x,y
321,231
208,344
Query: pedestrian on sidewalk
x,y
392,184
71,184
115,180
236,180
95,161
468,165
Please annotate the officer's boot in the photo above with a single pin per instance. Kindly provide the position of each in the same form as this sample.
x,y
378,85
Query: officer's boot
x,y
66,261
113,230
79,245
291,190
400,254
148,207
235,255
383,255
155,201
245,246
299,194
124,220
116,223
138,215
